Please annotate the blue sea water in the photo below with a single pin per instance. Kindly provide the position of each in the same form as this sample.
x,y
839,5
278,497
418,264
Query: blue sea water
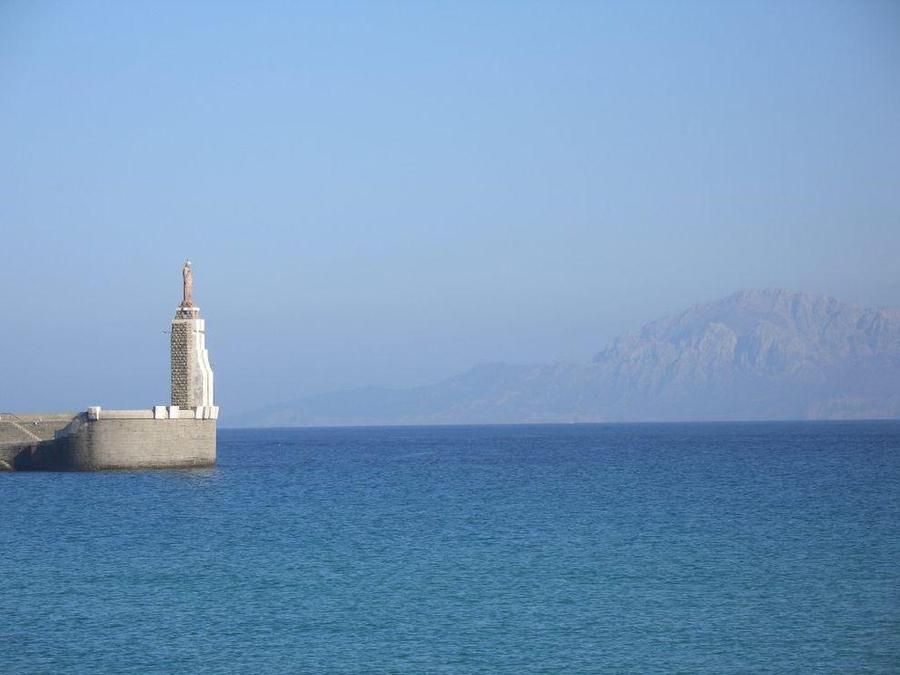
x,y
696,548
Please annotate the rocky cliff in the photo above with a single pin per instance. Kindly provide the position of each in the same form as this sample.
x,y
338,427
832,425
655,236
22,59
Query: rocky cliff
x,y
758,354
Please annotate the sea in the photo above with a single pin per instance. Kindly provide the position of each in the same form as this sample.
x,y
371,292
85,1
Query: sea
x,y
688,548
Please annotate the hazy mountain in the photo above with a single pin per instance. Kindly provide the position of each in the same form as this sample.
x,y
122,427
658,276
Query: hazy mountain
x,y
769,354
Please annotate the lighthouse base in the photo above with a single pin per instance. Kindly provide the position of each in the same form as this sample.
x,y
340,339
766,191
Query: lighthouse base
x,y
162,438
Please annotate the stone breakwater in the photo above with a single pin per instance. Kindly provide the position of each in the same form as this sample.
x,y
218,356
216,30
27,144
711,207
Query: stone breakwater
x,y
180,435
163,437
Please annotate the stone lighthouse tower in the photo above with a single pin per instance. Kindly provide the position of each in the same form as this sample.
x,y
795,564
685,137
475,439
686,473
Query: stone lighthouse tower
x,y
192,377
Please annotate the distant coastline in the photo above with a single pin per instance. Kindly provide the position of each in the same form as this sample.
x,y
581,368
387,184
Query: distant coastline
x,y
758,355
555,425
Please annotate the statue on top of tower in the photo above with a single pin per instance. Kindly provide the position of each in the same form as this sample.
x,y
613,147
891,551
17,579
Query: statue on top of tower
x,y
188,277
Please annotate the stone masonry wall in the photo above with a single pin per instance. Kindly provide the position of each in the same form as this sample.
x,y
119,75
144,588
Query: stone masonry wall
x,y
30,428
182,360
90,445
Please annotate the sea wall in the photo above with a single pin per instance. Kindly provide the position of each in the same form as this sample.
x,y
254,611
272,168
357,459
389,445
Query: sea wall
x,y
27,428
110,439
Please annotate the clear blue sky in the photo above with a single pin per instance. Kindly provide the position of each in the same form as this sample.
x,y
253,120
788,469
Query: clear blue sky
x,y
387,193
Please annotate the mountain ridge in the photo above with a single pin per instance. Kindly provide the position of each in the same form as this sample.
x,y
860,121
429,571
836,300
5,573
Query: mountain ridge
x,y
755,354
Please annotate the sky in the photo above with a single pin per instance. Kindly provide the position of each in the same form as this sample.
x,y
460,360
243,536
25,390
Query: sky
x,y
389,193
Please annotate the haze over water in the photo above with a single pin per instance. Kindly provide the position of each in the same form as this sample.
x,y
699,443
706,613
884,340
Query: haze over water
x,y
694,548
385,194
